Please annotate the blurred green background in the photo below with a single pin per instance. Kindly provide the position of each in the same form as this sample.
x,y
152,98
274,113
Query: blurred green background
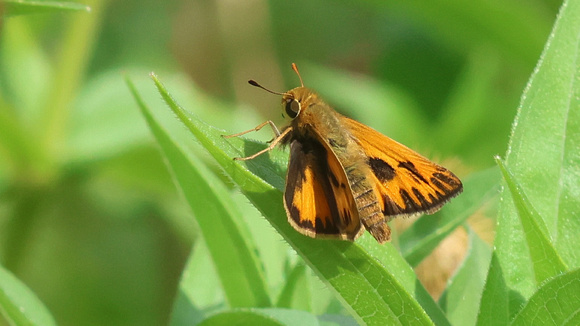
x,y
90,219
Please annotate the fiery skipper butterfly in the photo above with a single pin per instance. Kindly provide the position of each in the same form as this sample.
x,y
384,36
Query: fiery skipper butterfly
x,y
344,177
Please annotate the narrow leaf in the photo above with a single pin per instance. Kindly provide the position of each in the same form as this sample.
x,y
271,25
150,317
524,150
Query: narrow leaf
x,y
14,8
227,242
19,305
545,260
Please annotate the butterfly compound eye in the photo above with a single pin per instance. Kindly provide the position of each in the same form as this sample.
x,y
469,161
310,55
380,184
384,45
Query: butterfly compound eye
x,y
292,108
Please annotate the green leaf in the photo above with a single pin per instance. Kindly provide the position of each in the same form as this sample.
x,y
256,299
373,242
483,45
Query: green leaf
x,y
545,260
77,42
463,295
419,240
19,305
372,281
544,157
274,317
219,221
22,60
494,308
14,8
555,303
13,140
197,296
296,280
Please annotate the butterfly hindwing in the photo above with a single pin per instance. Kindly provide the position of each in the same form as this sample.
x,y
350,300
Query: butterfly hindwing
x,y
317,198
408,183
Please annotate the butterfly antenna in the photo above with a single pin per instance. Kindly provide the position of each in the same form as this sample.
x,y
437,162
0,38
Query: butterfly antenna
x,y
255,83
295,68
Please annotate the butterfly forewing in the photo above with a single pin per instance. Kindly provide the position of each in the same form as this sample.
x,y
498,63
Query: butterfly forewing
x,y
408,183
317,198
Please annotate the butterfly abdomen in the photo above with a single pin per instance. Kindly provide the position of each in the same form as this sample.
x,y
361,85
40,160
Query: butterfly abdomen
x,y
368,206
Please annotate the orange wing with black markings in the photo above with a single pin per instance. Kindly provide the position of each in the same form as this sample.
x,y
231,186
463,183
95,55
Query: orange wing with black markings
x,y
408,183
344,177
318,199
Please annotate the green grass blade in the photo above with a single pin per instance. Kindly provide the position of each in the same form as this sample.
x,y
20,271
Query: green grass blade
x,y
419,240
232,253
371,280
555,303
19,305
544,158
14,8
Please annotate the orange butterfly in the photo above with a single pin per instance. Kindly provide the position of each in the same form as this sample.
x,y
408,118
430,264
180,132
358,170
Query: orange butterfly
x,y
343,175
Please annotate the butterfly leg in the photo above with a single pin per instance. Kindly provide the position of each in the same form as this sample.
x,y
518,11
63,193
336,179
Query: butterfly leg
x,y
274,128
273,144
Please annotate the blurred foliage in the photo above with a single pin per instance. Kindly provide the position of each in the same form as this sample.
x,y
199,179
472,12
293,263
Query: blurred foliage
x,y
90,218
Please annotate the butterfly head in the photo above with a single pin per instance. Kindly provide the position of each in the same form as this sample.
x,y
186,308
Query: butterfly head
x,y
297,99
294,100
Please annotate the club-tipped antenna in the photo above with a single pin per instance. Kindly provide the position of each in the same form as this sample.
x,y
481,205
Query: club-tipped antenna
x,y
295,68
255,83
